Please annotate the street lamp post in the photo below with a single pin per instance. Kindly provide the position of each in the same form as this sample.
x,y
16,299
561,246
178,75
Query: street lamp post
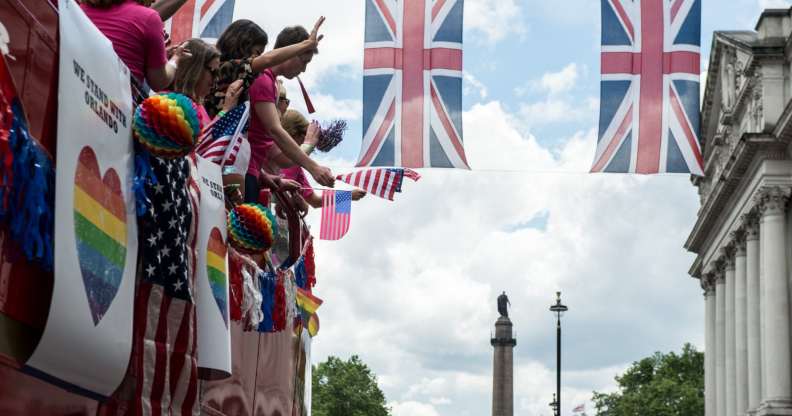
x,y
559,310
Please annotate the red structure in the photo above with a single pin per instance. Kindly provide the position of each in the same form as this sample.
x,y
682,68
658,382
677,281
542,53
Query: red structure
x,y
263,364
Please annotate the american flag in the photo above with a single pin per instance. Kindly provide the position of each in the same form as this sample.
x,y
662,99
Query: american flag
x,y
224,140
165,324
412,84
205,19
649,106
383,182
579,408
336,210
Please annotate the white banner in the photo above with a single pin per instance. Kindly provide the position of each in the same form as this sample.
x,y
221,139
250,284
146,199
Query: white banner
x,y
214,335
88,337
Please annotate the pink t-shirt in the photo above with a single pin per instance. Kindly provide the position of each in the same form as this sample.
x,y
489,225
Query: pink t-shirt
x,y
263,90
136,34
296,173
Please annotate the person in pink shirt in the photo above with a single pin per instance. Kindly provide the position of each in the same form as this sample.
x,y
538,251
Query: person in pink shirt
x,y
306,135
268,140
136,33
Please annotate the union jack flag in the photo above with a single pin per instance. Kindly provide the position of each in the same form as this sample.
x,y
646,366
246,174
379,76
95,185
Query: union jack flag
x,y
412,84
205,19
649,106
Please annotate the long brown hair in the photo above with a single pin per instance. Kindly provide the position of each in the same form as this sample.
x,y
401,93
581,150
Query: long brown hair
x,y
198,54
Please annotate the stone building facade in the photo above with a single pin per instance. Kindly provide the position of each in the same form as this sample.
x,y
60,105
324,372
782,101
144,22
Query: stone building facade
x,y
743,235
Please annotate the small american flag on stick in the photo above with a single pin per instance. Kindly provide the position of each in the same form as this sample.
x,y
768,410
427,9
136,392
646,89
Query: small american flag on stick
x,y
336,210
383,182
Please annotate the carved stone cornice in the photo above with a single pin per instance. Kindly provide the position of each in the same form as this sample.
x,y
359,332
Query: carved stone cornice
x,y
772,200
716,191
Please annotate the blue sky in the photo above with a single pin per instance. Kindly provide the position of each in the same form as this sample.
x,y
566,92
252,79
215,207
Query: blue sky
x,y
412,287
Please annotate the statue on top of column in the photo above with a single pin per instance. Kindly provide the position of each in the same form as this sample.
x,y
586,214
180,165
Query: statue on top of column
x,y
503,304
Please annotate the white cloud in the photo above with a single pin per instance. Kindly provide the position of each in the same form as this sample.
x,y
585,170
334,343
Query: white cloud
x,y
413,409
472,83
556,110
496,19
327,106
561,81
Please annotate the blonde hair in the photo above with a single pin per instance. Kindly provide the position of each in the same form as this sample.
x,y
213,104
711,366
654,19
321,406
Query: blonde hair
x,y
294,123
198,55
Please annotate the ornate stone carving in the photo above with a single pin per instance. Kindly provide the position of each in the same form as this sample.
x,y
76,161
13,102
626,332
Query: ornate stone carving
x,y
707,282
772,200
757,106
729,80
738,241
740,75
750,223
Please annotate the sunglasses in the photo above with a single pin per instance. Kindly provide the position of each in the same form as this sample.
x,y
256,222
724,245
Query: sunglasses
x,y
284,100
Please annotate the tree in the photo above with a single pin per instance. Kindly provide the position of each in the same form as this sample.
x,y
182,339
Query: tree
x,y
346,388
660,385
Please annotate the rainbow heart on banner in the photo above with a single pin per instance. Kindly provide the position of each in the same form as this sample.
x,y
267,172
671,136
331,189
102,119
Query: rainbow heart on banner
x,y
100,229
216,270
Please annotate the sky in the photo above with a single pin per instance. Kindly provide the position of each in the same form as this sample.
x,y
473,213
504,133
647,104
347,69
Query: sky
x,y
412,288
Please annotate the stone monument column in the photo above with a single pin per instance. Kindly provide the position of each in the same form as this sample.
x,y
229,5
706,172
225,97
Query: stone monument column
x,y
503,363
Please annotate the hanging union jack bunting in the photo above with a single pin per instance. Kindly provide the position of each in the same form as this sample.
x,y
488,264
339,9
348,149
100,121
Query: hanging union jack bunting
x,y
649,104
412,84
205,19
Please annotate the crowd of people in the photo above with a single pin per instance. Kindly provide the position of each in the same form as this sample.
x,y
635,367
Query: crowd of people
x,y
219,77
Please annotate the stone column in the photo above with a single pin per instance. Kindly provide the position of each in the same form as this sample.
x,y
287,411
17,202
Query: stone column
x,y
740,321
751,225
503,368
720,343
731,379
778,398
710,406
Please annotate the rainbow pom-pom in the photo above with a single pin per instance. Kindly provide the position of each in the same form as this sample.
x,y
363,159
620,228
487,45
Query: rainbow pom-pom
x,y
167,125
251,228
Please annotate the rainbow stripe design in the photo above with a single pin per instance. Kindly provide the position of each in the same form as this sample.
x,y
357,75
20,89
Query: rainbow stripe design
x,y
251,228
100,230
308,304
167,125
216,270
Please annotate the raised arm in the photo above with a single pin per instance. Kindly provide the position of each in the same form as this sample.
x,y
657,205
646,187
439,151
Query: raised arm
x,y
268,114
280,55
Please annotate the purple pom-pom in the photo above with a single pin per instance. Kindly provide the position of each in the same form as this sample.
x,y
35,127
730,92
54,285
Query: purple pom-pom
x,y
331,136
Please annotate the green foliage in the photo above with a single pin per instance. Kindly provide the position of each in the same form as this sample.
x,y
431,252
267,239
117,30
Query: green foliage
x,y
346,388
660,385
